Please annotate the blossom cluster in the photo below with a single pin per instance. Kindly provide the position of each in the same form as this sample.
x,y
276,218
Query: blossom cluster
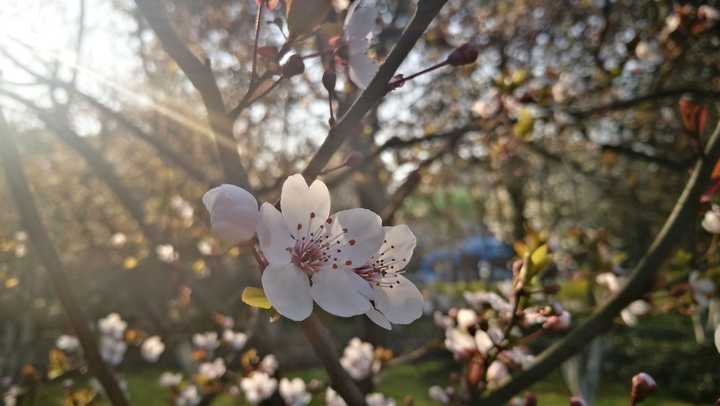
x,y
347,262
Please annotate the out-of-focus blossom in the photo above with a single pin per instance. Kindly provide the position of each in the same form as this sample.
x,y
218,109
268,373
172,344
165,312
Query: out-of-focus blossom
x,y
439,394
488,105
170,379
118,240
269,364
333,399
466,318
205,246
166,253
233,213
206,341
442,320
577,401
460,343
702,289
642,386
358,358
378,399
67,343
294,392
518,356
212,370
359,24
189,396
152,348
637,308
558,322
236,340
112,350
711,220
183,208
113,326
395,298
717,338
497,302
11,395
258,386
295,244
609,280
497,373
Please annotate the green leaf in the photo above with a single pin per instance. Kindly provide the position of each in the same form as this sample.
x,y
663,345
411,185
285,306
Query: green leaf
x,y
255,297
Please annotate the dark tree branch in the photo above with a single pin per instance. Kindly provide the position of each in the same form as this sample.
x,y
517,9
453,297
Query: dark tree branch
x,y
628,103
202,78
641,281
32,223
675,165
377,89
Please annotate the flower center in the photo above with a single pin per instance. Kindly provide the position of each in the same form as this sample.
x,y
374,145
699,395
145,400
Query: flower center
x,y
307,255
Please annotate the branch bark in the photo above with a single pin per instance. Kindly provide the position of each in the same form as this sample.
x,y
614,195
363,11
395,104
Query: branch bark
x,y
201,76
640,282
30,218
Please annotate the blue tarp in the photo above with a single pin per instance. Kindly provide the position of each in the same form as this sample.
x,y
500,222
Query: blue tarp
x,y
479,247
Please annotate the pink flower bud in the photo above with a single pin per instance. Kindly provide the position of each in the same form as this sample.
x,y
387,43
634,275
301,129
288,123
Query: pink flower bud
x,y
465,54
233,213
294,66
642,386
530,399
558,322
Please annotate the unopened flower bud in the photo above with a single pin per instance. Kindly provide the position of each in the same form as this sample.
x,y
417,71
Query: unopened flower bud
x,y
233,213
558,322
465,54
294,66
328,80
530,399
577,401
642,386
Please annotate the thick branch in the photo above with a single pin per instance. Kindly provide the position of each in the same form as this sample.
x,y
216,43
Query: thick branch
x,y
377,89
30,218
628,103
202,78
640,282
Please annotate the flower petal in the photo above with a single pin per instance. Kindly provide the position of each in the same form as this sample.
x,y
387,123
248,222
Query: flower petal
x,y
338,291
357,234
274,236
398,247
233,212
379,319
362,69
288,290
401,302
360,21
305,208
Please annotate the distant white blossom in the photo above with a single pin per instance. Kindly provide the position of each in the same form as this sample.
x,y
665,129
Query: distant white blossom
x,y
236,340
189,396
439,394
378,399
258,386
68,343
332,398
112,350
166,253
711,220
206,341
113,326
358,359
170,379
269,364
212,370
152,348
294,392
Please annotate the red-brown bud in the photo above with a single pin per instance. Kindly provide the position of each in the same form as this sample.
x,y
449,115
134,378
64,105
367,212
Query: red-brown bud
x,y
577,401
328,80
294,66
642,386
465,54
530,399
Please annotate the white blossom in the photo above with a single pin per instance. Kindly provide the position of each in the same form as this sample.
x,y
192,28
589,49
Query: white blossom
x,y
359,24
711,220
152,348
357,359
378,399
439,394
702,289
206,341
212,370
67,343
637,308
258,386
170,379
269,364
332,398
113,326
166,253
189,396
459,342
118,240
236,340
466,318
233,213
497,302
304,243
497,373
112,350
294,392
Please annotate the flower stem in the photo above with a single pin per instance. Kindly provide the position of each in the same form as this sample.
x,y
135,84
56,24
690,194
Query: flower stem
x,y
253,74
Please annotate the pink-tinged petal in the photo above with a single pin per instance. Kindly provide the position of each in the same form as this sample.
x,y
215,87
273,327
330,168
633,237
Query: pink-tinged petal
x,y
288,290
397,248
379,319
362,69
717,338
401,302
273,235
356,235
305,208
359,21
233,212
336,291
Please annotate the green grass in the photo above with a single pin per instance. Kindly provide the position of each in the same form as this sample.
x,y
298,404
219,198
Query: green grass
x,y
398,382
